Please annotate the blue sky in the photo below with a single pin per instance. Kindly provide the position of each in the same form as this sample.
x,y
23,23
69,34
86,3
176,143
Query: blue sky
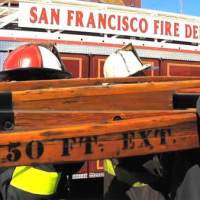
x,y
190,7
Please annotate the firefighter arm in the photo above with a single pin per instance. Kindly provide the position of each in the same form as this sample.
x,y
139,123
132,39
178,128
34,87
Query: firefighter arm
x,y
33,183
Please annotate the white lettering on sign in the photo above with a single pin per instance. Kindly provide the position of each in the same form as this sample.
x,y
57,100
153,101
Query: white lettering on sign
x,y
106,21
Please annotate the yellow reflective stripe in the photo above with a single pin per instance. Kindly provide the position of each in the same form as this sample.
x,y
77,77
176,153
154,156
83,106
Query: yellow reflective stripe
x,y
108,167
35,181
138,184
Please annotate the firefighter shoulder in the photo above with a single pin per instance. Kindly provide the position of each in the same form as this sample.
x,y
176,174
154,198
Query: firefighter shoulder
x,y
31,62
121,175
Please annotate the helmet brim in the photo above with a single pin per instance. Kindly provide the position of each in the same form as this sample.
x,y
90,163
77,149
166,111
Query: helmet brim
x,y
26,74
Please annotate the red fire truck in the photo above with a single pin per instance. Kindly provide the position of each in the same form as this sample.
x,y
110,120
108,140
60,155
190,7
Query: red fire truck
x,y
85,33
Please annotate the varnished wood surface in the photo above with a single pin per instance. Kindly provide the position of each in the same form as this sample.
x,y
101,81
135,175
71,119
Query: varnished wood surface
x,y
79,122
31,120
135,96
189,91
41,84
93,141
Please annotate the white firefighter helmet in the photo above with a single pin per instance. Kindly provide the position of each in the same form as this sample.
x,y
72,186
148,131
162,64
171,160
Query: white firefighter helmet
x,y
123,63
